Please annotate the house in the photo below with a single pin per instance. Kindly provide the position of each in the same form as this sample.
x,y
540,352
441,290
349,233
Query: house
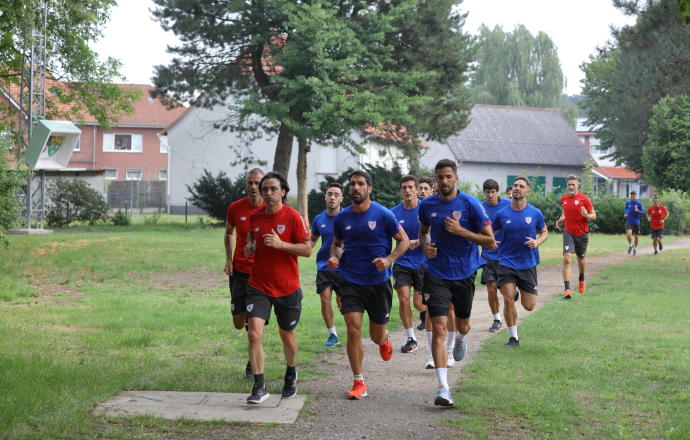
x,y
503,142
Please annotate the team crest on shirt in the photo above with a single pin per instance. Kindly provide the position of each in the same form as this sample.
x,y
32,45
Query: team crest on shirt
x,y
348,227
323,226
426,297
256,229
528,220
507,222
250,307
457,215
566,247
280,228
243,218
577,202
372,224
433,214
402,221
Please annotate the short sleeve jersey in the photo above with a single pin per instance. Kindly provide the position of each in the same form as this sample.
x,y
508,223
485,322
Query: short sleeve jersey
x,y
457,257
238,217
634,210
516,226
275,271
409,220
366,236
658,213
575,223
491,211
322,226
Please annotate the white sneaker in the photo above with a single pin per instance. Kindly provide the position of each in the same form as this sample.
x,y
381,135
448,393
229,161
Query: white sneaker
x,y
430,364
451,361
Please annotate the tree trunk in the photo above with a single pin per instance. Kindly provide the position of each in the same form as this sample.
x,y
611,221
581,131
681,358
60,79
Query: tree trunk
x,y
302,201
281,159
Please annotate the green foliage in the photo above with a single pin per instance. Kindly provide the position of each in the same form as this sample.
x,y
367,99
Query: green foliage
x,y
153,219
549,205
666,156
213,194
74,201
121,218
10,184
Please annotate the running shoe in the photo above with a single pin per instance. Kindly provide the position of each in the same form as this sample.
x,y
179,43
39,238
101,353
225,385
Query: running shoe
x,y
248,372
443,398
512,342
259,394
421,326
386,350
656,252
358,390
630,249
450,361
582,287
497,326
566,294
332,340
460,349
289,387
634,251
410,346
661,246
430,364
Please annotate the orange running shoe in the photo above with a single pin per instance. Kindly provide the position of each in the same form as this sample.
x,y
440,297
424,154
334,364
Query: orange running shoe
x,y
386,350
358,390
582,287
566,294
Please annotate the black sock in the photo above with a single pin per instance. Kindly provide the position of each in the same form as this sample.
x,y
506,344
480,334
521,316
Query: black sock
x,y
258,380
582,277
290,373
422,315
567,285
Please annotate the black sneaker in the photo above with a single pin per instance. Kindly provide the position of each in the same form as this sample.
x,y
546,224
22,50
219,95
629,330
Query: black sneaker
x,y
656,252
289,388
512,342
421,326
661,246
259,394
410,346
248,372
497,326
630,248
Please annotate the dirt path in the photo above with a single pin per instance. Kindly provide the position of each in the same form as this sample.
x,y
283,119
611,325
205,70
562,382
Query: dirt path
x,y
401,391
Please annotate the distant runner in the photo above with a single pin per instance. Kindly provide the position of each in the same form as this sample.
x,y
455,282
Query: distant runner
x,y
657,215
633,210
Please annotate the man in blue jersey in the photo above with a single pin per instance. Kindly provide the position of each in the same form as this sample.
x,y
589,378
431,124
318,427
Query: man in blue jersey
x,y
492,204
633,210
523,229
363,233
408,272
452,225
327,280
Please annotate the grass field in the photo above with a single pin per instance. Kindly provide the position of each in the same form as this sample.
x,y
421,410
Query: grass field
x,y
90,311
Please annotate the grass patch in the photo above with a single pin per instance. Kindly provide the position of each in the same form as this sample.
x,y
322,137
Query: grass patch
x,y
610,364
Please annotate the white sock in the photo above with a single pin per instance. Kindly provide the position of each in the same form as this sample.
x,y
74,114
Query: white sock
x,y
358,377
497,316
410,333
450,341
429,339
442,376
513,331
332,331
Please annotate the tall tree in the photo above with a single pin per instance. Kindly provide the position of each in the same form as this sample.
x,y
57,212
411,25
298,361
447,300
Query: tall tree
x,y
644,63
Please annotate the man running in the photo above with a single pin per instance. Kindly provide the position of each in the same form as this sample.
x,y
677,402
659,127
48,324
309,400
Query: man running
x,y
492,204
523,231
426,187
509,193
408,272
657,216
576,213
277,237
424,190
633,210
237,265
452,225
363,232
327,280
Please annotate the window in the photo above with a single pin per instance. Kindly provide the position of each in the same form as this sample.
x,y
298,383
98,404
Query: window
x,y
162,174
78,146
110,174
133,175
164,144
123,143
559,185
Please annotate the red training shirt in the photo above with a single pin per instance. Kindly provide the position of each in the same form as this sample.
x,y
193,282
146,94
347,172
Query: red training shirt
x,y
658,213
238,217
275,272
575,223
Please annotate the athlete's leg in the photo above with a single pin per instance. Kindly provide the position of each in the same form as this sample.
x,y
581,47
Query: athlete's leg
x,y
417,301
637,238
581,265
508,292
378,333
528,300
463,326
628,235
289,346
566,267
439,352
405,311
326,308
450,338
256,346
492,293
355,350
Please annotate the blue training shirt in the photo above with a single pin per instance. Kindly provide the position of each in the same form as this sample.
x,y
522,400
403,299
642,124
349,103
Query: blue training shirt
x,y
322,226
366,235
516,226
409,220
457,258
633,217
491,210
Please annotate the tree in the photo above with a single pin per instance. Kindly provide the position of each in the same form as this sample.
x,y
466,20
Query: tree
x,y
644,63
10,182
666,156
213,194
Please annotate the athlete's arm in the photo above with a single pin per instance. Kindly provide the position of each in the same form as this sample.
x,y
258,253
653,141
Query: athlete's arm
x,y
336,253
313,239
401,246
272,239
428,247
591,215
560,220
229,239
534,243
250,248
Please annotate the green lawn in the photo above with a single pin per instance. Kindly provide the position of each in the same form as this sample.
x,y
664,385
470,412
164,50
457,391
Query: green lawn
x,y
613,363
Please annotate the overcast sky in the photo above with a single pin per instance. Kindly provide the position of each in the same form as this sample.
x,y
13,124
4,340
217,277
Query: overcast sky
x,y
577,29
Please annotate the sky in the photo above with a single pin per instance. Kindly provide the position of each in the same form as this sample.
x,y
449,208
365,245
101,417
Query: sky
x,y
577,29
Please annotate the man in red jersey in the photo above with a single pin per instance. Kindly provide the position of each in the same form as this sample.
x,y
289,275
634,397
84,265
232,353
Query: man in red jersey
x,y
277,236
238,266
657,215
576,213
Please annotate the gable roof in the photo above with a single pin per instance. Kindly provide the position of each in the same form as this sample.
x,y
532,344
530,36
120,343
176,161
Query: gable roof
x,y
616,173
518,135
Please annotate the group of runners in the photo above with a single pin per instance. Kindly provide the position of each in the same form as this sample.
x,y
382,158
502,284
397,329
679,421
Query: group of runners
x,y
437,231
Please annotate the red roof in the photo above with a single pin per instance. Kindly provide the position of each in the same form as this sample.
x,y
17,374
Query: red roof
x,y
617,172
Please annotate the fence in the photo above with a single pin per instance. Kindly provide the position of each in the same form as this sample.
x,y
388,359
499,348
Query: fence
x,y
137,194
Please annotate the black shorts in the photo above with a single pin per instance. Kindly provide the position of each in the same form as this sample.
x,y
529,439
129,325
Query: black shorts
x,y
238,292
376,300
406,276
440,293
288,308
657,233
489,271
575,244
525,280
632,227
326,278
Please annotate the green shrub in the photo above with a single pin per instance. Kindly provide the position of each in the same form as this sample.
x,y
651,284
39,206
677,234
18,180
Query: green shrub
x,y
10,184
72,201
152,219
121,218
213,194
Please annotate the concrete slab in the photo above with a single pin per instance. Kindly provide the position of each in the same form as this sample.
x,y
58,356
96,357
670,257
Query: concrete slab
x,y
29,231
230,407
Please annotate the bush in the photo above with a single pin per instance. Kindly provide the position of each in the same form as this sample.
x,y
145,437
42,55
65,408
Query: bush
x,y
74,201
549,205
213,194
11,182
153,219
121,218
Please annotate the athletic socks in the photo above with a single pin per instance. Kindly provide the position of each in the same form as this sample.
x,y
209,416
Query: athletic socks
x,y
513,331
450,341
410,333
582,277
358,377
429,339
442,376
259,380
332,331
497,316
567,285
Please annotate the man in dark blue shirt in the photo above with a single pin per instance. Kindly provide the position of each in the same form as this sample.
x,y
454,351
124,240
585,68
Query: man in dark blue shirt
x,y
633,210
